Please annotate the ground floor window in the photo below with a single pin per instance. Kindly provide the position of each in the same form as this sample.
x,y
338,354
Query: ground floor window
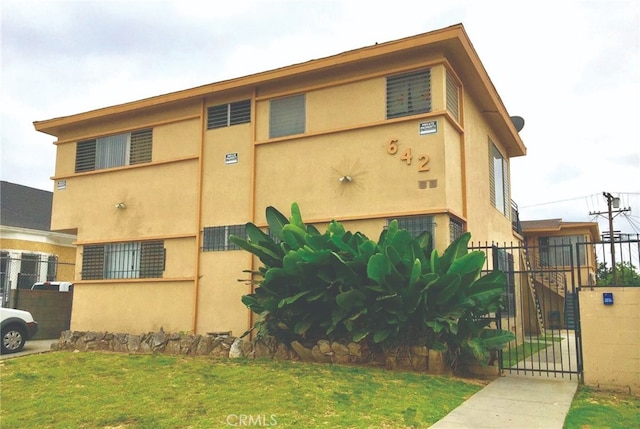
x,y
216,238
128,260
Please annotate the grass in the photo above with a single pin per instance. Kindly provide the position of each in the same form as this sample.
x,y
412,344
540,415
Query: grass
x,y
89,390
515,354
593,409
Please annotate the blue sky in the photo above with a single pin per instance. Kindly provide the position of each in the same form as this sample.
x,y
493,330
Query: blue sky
x,y
570,68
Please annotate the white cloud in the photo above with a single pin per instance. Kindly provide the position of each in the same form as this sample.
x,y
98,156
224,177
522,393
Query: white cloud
x,y
569,68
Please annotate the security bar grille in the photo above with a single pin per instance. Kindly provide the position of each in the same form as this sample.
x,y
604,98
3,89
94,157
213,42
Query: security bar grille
x,y
130,260
216,238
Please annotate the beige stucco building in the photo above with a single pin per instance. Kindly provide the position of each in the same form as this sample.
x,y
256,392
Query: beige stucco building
x,y
411,129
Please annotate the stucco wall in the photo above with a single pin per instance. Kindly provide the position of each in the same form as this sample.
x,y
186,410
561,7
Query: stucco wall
x,y
611,338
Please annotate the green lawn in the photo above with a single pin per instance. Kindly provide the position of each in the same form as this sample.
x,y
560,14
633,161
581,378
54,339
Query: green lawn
x,y
513,355
593,409
99,390
90,390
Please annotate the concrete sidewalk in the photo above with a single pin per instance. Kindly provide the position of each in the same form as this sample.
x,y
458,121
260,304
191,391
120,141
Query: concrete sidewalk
x,y
515,401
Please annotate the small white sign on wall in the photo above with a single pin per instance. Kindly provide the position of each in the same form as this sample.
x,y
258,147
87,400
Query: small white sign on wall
x,y
430,127
61,184
231,158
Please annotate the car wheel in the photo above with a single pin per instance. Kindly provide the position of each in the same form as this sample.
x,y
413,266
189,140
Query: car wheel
x,y
13,339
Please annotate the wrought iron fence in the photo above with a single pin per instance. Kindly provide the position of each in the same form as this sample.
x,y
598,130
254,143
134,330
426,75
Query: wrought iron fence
x,y
21,272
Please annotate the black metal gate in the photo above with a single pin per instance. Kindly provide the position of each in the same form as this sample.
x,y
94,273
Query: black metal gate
x,y
541,308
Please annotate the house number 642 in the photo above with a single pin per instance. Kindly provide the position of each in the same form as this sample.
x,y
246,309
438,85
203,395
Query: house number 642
x,y
406,156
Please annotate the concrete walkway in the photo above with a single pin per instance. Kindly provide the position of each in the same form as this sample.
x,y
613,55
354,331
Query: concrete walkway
x,y
31,347
515,401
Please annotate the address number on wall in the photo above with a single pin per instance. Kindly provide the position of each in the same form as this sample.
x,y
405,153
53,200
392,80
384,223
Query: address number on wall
x,y
407,155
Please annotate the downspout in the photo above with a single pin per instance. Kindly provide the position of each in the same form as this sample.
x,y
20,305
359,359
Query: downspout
x,y
252,193
196,281
463,157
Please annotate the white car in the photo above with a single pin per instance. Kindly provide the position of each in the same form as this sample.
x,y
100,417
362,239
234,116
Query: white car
x,y
54,286
18,326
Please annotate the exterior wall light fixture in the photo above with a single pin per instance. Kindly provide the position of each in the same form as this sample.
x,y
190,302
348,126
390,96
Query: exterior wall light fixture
x,y
121,206
345,179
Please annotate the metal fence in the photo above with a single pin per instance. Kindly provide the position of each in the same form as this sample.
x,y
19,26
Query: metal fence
x,y
617,261
21,272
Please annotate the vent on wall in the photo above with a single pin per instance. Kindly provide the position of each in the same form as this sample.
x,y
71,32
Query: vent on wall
x,y
427,184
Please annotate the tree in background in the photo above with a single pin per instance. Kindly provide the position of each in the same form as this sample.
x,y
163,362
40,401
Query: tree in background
x,y
626,275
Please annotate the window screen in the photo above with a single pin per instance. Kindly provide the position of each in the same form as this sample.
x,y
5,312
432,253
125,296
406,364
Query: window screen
x,y
287,116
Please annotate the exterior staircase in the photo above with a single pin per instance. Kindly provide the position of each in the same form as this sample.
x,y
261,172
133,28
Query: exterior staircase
x,y
532,290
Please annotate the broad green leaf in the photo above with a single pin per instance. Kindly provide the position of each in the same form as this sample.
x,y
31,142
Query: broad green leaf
x,y
496,338
350,299
381,335
276,221
296,216
455,250
378,268
267,256
416,271
292,299
471,263
359,335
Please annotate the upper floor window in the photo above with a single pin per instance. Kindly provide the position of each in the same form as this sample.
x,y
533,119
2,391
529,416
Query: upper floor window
x,y
453,91
498,180
114,151
225,115
561,251
287,116
409,94
130,260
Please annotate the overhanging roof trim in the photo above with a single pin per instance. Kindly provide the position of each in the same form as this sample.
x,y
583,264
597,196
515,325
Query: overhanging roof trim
x,y
454,33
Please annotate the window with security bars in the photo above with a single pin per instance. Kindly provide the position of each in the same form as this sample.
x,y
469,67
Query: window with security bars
x,y
287,116
453,91
130,260
499,180
416,225
216,238
114,151
225,115
456,229
409,94
52,268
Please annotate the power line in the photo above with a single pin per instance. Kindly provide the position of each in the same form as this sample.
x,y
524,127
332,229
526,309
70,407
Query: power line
x,y
554,202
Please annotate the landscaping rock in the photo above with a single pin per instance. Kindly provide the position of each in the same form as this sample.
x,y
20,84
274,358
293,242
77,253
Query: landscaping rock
x,y
303,353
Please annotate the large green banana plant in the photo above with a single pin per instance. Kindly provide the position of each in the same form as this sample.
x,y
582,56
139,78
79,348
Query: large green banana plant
x,y
393,292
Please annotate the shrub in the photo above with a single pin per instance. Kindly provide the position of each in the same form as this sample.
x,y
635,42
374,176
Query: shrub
x,y
395,292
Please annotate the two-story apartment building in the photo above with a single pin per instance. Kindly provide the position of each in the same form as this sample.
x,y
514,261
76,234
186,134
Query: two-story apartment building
x,y
411,129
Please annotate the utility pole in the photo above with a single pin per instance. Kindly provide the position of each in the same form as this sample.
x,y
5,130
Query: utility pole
x,y
612,202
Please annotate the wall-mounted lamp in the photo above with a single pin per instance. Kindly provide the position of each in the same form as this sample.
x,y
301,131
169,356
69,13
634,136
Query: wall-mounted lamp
x,y
345,179
121,206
